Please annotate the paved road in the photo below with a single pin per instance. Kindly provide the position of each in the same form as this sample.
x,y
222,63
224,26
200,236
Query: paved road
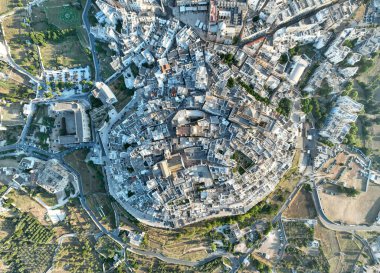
x,y
91,40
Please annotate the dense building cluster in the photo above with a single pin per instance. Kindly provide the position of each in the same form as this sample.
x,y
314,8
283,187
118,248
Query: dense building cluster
x,y
197,146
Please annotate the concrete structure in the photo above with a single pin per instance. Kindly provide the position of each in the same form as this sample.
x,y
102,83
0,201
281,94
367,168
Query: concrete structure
x,y
73,122
104,93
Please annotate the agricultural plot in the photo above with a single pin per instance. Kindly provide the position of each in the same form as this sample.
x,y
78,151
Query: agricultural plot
x,y
79,256
340,248
302,262
300,253
29,247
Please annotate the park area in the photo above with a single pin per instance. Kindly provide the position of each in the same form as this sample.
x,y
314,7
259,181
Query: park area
x,y
27,244
361,209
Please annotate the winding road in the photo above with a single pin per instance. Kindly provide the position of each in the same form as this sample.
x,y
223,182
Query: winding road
x,y
91,40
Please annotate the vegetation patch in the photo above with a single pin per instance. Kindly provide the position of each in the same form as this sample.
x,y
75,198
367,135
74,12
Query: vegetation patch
x,y
29,249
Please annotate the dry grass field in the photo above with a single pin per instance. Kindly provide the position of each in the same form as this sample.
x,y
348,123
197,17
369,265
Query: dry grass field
x,y
65,53
301,207
7,5
26,204
16,35
362,209
11,114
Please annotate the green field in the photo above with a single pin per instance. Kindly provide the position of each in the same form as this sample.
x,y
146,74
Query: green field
x,y
56,15
63,17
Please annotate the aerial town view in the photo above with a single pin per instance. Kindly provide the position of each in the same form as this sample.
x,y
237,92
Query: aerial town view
x,y
189,136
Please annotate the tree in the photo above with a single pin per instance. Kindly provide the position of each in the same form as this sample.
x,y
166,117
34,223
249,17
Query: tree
x,y
349,43
283,59
230,83
325,89
306,106
284,107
